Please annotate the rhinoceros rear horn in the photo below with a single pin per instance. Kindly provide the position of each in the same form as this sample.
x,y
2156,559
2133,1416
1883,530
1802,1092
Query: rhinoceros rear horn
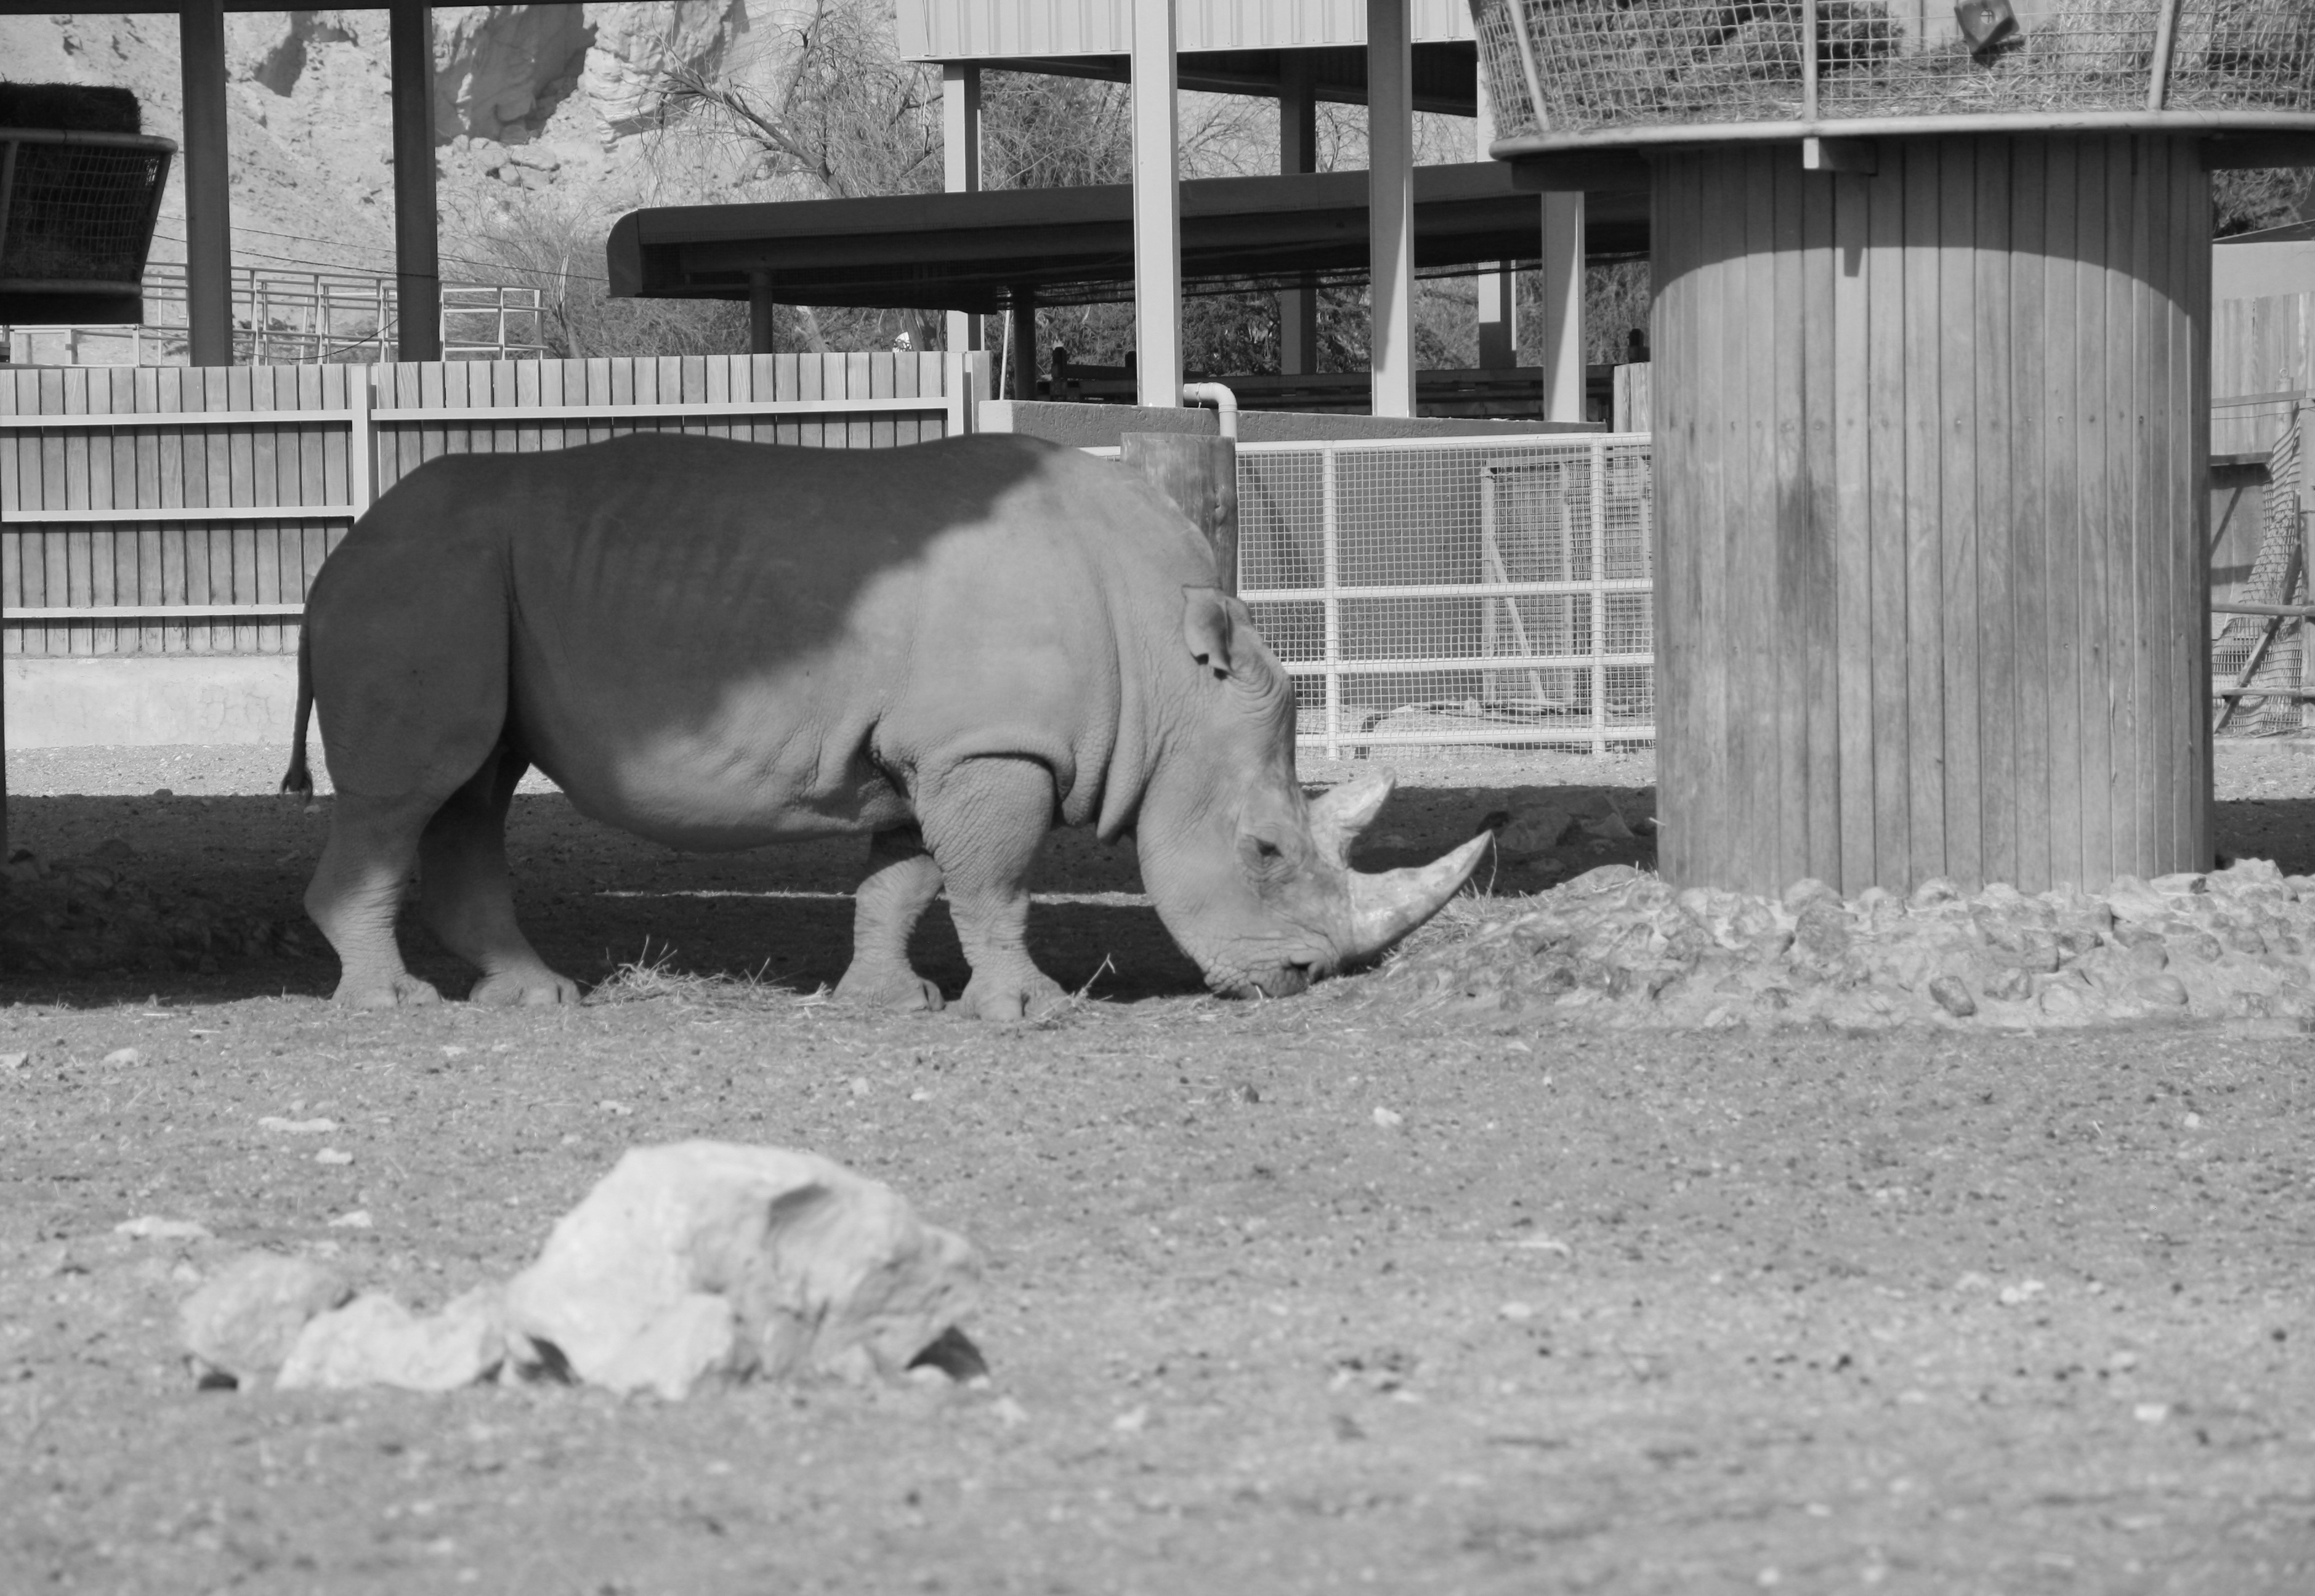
x,y
1387,905
1339,814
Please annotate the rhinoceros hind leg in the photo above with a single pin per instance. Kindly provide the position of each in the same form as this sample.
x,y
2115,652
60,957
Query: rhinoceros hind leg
x,y
900,882
985,820
357,892
466,896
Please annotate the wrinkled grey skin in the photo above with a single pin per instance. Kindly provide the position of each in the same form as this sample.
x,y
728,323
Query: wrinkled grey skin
x,y
949,650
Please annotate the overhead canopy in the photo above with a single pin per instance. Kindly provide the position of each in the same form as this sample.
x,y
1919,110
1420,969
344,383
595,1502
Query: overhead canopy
x,y
1446,74
973,251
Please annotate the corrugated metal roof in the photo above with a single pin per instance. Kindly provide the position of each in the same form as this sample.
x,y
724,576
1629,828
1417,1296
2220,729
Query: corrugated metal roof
x,y
974,30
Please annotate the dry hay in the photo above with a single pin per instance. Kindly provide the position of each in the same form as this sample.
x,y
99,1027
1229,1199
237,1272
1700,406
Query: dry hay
x,y
1619,947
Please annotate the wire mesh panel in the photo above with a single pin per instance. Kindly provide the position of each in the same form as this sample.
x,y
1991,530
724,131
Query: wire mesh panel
x,y
77,211
2249,654
1455,593
1608,64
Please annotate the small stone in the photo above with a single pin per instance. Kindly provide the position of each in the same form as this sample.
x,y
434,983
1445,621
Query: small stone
x,y
1132,1420
2068,1001
375,1341
2037,950
1951,994
2181,883
2150,1413
1388,1118
243,1323
359,1220
1527,833
2023,1293
152,1228
1808,890
11,1062
2159,991
2007,984
1517,1312
1933,892
123,1059
1610,827
296,1127
333,1156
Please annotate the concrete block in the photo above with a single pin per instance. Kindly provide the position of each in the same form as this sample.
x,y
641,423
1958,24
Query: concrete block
x,y
145,701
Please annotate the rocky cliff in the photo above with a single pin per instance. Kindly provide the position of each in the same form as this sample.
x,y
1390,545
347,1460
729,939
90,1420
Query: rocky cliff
x,y
555,98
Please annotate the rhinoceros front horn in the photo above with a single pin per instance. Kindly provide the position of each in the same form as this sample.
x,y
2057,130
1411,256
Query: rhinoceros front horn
x,y
1387,905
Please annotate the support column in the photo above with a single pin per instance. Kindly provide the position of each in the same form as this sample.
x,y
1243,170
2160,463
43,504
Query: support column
x,y
1933,582
1390,207
209,213
1298,153
1157,208
417,251
1563,307
762,329
1023,360
961,169
1498,284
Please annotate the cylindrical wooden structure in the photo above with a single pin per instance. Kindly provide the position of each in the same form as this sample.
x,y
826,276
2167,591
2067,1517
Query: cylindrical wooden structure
x,y
1932,595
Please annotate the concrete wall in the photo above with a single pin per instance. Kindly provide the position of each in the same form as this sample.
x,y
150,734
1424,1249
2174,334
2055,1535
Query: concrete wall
x,y
150,700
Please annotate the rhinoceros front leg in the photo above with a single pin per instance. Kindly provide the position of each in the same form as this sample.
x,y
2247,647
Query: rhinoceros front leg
x,y
983,820
466,896
900,885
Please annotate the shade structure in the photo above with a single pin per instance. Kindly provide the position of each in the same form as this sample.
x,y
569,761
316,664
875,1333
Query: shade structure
x,y
1932,592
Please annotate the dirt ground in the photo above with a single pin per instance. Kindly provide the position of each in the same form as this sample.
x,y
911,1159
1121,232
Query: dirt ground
x,y
1282,1296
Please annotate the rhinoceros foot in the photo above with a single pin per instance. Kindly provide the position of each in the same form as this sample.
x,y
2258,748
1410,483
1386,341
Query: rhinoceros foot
x,y
888,988
1011,995
525,989
404,990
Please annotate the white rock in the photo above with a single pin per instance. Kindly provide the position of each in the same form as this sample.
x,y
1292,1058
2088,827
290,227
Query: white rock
x,y
333,1156
296,1127
814,1267
359,1220
1533,831
1388,1118
375,1341
153,1227
124,1058
246,1319
13,1062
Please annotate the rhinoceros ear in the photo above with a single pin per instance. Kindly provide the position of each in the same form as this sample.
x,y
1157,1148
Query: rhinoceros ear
x,y
1209,622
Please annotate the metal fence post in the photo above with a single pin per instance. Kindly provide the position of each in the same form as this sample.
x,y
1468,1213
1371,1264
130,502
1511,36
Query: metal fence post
x,y
361,446
1599,599
1330,582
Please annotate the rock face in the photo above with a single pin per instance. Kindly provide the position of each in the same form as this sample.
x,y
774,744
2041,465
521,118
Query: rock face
x,y
1622,947
243,1321
709,1261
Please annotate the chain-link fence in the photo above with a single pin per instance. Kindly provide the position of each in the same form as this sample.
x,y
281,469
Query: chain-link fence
x,y
1605,64
1457,593
2256,660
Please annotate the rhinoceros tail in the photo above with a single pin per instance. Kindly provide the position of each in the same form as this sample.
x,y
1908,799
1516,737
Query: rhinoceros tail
x,y
298,783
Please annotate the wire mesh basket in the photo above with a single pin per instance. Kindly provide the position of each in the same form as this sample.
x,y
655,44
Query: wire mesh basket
x,y
76,210
1600,65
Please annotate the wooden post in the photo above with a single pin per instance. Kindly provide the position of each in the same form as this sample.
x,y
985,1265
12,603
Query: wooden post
x,y
1298,153
1563,307
1199,474
1156,214
961,170
208,205
1498,285
763,327
1390,208
1022,335
417,253
1932,588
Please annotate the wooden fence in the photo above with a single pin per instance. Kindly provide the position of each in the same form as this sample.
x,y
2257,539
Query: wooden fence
x,y
182,510
2262,360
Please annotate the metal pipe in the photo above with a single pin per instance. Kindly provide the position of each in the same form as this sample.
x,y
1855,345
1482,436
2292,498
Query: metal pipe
x,y
1224,402
209,204
1518,9
2166,41
417,251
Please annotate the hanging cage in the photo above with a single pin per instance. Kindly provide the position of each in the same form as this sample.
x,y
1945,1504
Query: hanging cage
x,y
80,189
1568,73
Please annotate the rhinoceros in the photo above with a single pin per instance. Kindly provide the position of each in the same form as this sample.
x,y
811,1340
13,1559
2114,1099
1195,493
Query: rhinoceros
x,y
948,648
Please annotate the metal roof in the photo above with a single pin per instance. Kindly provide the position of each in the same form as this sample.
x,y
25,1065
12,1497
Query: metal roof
x,y
981,30
969,251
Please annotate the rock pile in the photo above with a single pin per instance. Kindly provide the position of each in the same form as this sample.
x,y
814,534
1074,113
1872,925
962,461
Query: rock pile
x,y
700,1264
89,915
1620,947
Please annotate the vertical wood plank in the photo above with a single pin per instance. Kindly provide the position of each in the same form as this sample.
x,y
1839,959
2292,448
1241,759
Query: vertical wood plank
x,y
1924,509
1991,496
2026,520
2061,513
2096,408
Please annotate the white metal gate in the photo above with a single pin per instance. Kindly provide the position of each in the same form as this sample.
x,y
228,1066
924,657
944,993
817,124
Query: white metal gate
x,y
1471,591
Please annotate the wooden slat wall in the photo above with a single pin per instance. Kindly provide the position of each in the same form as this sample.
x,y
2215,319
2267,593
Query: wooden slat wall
x,y
2258,346
1932,595
292,463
